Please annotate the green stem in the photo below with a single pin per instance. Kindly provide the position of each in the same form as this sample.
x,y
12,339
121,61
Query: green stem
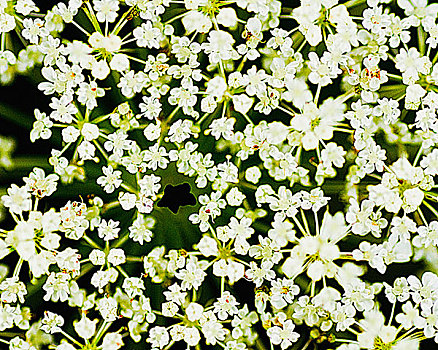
x,y
3,41
92,17
123,272
102,329
18,267
307,344
432,209
121,241
101,150
91,242
392,313
248,119
421,41
69,337
318,91
417,157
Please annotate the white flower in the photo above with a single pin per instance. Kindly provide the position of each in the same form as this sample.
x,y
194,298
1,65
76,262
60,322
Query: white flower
x,y
57,287
52,322
219,46
18,343
192,276
7,22
283,292
414,93
85,328
418,11
112,341
376,20
196,20
147,36
108,230
17,199
133,286
110,180
8,314
227,17
40,185
158,337
33,30
65,12
212,329
375,330
155,157
194,311
180,131
372,76
116,256
68,260
410,317
70,134
229,268
106,10
363,219
107,307
63,109
100,279
12,290
410,64
120,63
430,163
150,107
97,257
127,200
402,227
371,158
86,150
235,197
228,172
192,4
110,43
140,231
282,231
412,199
259,274
427,235
41,127
25,7
184,96
360,295
333,154
324,70
100,69
222,127
150,185
400,291
131,83
87,94
152,132
283,335
192,336
305,15
144,204
242,103
253,174
207,246
225,306
316,124
169,309
388,109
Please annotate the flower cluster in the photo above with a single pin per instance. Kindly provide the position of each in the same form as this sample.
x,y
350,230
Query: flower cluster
x,y
307,133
